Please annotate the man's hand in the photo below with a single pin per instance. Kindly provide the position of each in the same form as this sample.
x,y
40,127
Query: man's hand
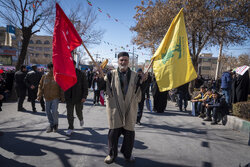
x,y
32,87
193,100
83,100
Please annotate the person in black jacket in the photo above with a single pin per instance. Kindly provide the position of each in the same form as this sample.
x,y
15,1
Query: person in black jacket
x,y
32,80
219,108
2,90
144,93
183,95
75,97
96,84
20,87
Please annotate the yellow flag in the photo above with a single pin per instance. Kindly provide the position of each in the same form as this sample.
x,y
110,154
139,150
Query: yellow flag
x,y
104,63
172,62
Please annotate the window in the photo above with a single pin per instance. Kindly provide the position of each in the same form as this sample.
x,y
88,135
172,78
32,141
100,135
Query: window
x,y
38,42
47,55
46,49
206,60
46,42
31,42
206,68
31,48
39,48
214,61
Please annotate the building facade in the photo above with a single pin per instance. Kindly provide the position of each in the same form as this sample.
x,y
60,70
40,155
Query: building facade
x,y
8,50
207,65
40,49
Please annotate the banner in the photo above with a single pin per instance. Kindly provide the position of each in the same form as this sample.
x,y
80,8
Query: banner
x,y
65,40
172,62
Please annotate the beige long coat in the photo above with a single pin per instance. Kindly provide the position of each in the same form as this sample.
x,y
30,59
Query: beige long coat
x,y
122,112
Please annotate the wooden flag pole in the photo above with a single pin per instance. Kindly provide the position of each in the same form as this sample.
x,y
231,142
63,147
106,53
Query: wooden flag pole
x,y
97,66
150,65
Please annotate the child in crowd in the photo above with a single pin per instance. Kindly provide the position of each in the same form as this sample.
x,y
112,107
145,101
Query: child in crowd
x,y
219,108
198,100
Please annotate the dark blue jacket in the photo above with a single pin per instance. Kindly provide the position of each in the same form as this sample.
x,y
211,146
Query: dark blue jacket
x,y
226,80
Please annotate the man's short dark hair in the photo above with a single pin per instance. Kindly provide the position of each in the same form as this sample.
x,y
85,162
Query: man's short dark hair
x,y
34,67
23,67
121,54
203,87
50,66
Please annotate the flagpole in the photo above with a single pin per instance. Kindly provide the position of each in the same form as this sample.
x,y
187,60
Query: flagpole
x,y
98,67
149,65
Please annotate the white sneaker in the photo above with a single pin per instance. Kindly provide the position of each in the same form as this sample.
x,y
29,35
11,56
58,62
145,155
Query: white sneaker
x,y
69,132
81,123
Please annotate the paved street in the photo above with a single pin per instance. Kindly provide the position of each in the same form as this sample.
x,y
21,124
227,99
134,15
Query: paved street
x,y
173,139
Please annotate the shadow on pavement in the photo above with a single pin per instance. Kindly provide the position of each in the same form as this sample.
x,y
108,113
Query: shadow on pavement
x,y
10,162
175,129
145,163
171,113
14,144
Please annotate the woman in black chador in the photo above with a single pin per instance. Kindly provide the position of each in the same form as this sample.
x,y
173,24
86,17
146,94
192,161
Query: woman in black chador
x,y
160,98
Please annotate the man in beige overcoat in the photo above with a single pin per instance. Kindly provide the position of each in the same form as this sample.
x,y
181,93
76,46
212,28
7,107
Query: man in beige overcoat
x,y
123,90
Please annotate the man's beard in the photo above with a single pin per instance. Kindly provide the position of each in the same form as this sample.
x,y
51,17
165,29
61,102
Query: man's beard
x,y
123,68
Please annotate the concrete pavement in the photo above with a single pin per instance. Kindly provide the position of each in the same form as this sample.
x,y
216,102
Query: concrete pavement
x,y
172,139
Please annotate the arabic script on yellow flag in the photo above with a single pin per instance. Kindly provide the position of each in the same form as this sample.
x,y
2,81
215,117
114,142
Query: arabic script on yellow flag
x,y
172,62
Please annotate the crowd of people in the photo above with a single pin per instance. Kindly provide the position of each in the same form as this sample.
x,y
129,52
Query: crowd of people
x,y
126,92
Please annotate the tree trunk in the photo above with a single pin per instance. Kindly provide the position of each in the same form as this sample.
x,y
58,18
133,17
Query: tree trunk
x,y
195,64
218,62
25,42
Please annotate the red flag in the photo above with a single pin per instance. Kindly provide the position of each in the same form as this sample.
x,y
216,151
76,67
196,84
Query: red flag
x,y
65,40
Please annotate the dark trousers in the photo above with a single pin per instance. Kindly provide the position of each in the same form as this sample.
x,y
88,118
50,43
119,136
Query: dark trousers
x,y
200,108
209,111
217,112
42,103
96,96
32,93
140,109
182,97
21,93
127,144
70,113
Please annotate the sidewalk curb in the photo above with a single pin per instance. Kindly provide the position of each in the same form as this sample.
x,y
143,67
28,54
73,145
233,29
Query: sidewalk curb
x,y
236,123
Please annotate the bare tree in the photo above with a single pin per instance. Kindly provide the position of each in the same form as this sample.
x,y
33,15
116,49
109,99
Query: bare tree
x,y
208,22
29,16
231,62
84,20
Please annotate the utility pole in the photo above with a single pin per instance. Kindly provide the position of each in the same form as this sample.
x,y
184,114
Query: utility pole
x,y
133,60
219,61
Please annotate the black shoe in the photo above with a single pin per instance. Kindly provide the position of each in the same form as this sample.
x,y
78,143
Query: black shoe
x,y
34,110
1,109
181,109
21,109
55,128
214,123
43,109
49,129
185,109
